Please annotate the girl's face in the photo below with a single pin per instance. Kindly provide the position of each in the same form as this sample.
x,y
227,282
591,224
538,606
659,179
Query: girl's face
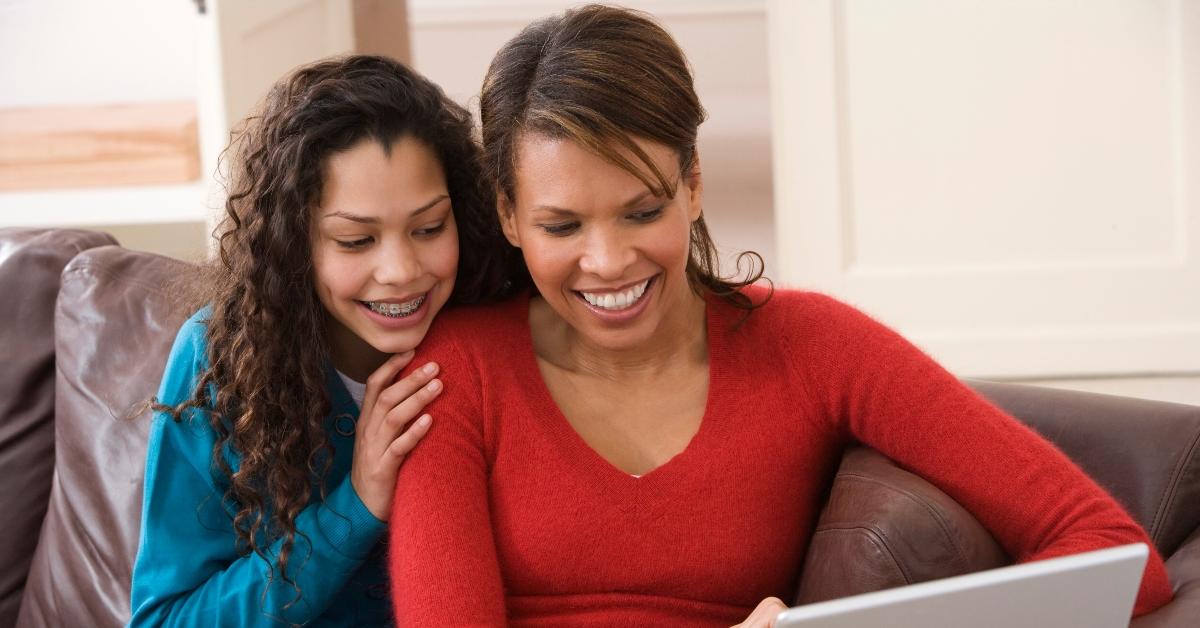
x,y
605,253
385,250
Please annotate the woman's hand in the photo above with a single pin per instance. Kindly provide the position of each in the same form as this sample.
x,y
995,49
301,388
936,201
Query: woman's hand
x,y
380,439
764,615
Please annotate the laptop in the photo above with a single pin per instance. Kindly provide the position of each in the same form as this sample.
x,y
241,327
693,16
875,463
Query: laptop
x,y
1090,590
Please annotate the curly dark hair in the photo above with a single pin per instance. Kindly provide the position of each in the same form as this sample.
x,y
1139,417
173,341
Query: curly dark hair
x,y
268,351
599,76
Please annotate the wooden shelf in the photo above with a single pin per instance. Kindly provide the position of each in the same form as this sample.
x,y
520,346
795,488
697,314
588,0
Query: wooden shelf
x,y
103,145
82,207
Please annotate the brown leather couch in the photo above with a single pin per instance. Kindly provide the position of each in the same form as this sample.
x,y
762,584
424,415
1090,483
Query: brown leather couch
x,y
86,330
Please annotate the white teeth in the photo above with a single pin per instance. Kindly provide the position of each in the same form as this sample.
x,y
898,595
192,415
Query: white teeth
x,y
396,310
617,300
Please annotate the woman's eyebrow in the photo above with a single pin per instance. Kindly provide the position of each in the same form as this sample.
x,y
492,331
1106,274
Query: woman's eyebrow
x,y
567,213
558,211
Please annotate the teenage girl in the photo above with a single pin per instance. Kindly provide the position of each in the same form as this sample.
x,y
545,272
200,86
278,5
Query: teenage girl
x,y
280,422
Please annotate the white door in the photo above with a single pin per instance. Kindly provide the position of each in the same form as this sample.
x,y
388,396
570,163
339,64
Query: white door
x,y
1013,185
247,45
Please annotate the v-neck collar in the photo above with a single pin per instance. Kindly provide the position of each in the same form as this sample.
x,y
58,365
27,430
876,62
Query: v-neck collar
x,y
586,459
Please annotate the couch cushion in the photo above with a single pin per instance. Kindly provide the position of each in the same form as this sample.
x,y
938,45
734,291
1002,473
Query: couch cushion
x,y
31,261
118,312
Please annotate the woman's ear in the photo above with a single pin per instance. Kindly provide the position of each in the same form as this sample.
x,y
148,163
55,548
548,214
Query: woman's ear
x,y
508,218
694,189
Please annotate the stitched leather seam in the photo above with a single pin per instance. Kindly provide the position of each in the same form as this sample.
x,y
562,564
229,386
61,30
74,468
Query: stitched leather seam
x,y
877,540
1166,499
943,525
88,268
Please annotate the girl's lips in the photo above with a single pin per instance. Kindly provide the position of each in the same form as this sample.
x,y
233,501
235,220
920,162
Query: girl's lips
x,y
621,316
397,322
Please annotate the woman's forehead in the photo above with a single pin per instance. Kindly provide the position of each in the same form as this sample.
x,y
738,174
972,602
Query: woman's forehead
x,y
546,164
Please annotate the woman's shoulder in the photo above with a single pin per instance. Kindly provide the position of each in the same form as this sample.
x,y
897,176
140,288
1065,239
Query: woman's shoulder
x,y
789,305
477,329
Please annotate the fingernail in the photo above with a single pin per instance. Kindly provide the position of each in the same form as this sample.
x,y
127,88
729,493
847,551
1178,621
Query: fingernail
x,y
424,421
434,386
430,368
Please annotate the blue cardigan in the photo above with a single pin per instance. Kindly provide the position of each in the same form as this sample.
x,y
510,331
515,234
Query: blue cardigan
x,y
188,571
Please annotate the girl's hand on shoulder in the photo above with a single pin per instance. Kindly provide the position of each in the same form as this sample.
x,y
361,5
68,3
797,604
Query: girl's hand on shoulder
x,y
764,615
386,431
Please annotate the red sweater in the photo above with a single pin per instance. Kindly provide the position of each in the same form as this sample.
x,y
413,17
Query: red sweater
x,y
504,514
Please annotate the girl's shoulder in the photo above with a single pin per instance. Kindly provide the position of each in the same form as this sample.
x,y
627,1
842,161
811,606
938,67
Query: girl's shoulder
x,y
186,363
194,330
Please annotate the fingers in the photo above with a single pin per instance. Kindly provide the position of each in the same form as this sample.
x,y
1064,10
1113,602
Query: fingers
x,y
412,404
764,614
392,395
384,376
405,443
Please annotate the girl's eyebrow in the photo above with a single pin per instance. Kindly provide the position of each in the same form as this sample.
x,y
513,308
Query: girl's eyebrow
x,y
370,220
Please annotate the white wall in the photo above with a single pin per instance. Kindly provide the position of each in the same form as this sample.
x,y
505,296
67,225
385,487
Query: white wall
x,y
55,52
89,52
1010,184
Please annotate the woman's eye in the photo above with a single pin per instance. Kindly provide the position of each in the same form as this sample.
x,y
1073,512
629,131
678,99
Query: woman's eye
x,y
560,228
353,244
431,230
646,216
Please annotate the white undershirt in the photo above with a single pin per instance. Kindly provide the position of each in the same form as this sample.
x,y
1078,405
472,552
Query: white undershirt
x,y
357,390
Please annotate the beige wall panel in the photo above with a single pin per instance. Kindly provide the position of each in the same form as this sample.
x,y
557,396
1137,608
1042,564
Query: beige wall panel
x,y
1009,184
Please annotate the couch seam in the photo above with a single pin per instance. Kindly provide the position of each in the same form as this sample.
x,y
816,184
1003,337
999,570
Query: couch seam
x,y
1166,498
877,540
960,555
97,269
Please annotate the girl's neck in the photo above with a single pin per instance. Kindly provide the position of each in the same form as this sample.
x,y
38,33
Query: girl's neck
x,y
351,355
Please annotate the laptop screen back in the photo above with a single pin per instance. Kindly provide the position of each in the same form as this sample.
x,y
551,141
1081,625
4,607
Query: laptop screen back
x,y
1090,590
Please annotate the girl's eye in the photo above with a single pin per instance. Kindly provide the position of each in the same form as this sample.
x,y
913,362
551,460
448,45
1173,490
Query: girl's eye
x,y
353,244
560,228
425,232
646,216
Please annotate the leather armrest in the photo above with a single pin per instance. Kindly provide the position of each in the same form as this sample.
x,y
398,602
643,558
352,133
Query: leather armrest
x,y
1184,611
1145,453
31,261
884,527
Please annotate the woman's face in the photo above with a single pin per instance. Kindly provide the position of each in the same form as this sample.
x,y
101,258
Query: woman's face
x,y
606,253
385,250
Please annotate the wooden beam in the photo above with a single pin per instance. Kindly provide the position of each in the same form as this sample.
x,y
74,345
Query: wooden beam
x,y
381,28
100,145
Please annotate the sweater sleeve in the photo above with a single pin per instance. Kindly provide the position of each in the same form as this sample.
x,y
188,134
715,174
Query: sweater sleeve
x,y
442,554
1038,504
188,571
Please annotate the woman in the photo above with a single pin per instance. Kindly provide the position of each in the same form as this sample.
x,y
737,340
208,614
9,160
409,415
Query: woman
x,y
272,461
640,441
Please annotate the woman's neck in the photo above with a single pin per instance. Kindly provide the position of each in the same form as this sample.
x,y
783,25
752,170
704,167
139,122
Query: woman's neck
x,y
681,340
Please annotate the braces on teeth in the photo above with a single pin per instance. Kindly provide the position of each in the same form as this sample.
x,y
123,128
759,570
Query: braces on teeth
x,y
396,310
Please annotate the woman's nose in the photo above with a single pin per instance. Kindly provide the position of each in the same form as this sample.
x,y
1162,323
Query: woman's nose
x,y
606,255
